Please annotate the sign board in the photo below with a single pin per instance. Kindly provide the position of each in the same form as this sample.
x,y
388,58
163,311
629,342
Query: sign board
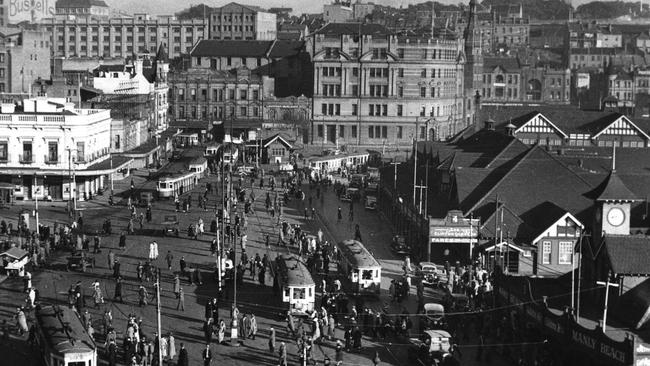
x,y
30,10
252,135
582,80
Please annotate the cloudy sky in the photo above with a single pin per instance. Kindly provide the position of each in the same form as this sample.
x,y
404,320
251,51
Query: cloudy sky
x,y
299,6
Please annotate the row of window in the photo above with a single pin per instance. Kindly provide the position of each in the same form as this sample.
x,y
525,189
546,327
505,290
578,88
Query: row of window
x,y
374,90
564,256
233,17
433,54
118,48
376,110
374,132
106,29
52,152
375,72
233,28
501,79
217,94
217,112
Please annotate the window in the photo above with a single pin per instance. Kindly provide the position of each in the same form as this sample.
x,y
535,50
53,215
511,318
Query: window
x,y
231,94
353,132
4,151
400,110
242,111
400,132
400,91
355,90
342,131
565,252
355,71
371,132
256,94
400,52
243,94
81,151
546,252
193,94
298,293
355,109
319,130
52,151
423,91
384,132
423,111
423,73
400,72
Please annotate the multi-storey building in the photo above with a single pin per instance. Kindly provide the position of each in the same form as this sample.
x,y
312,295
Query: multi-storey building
x,y
286,61
340,11
372,87
82,8
24,57
591,35
499,30
242,22
69,146
123,37
507,80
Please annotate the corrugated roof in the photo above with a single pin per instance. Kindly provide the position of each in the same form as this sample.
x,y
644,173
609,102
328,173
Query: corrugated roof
x,y
628,254
15,253
337,29
233,48
79,3
509,64
286,48
292,271
357,254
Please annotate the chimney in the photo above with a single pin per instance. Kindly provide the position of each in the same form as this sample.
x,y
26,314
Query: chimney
x,y
137,66
489,124
510,129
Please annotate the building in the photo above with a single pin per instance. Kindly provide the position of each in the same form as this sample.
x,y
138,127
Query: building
x,y
82,8
24,57
68,148
507,80
341,11
276,150
293,31
372,87
288,62
593,35
123,37
242,22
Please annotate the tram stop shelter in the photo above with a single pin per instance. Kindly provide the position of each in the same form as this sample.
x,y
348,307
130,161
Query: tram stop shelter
x,y
14,260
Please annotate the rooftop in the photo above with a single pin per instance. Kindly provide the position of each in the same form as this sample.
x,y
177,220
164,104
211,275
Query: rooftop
x,y
63,330
80,3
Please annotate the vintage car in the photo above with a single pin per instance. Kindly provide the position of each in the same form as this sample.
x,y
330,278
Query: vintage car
x,y
434,316
146,198
433,347
431,274
351,194
398,245
80,262
170,225
357,180
371,203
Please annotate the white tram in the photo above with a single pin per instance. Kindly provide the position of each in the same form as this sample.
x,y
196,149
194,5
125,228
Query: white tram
x,y
62,338
170,184
362,270
330,163
295,283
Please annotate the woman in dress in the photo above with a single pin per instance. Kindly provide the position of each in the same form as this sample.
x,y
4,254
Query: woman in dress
x,y
222,332
171,345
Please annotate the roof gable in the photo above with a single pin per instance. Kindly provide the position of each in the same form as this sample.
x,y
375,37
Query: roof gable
x,y
616,124
553,220
277,137
536,122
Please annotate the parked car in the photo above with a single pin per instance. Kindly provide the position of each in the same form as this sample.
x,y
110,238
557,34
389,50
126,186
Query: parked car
x,y
434,316
433,347
351,194
398,245
371,203
170,225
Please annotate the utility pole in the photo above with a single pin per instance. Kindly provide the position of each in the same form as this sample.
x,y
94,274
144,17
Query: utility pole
x,y
395,176
420,188
496,230
36,204
607,285
234,325
158,315
415,164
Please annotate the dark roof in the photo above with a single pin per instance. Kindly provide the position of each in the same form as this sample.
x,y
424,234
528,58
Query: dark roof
x,y
337,29
628,254
110,68
357,254
269,140
292,271
509,64
286,48
79,3
15,253
63,330
161,54
234,48
613,189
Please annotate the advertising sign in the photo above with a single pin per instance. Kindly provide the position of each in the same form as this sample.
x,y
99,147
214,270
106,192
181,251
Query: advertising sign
x,y
30,10
582,80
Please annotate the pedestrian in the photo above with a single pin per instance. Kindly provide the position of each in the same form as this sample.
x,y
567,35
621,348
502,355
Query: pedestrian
x,y
331,327
221,332
169,258
182,264
208,330
339,215
245,328
143,295
253,330
123,240
181,300
339,353
118,290
111,259
207,355
272,341
283,354
182,356
21,321
177,285
376,359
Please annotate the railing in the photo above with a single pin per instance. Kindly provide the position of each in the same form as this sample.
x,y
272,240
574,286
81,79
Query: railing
x,y
52,159
25,158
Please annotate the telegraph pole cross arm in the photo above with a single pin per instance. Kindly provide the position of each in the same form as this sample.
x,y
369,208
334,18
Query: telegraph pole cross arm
x,y
607,286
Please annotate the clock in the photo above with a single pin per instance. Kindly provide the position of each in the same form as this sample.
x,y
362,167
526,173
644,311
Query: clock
x,y
615,216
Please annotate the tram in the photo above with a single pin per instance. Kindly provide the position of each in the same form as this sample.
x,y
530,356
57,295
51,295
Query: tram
x,y
331,163
359,266
172,183
62,338
295,283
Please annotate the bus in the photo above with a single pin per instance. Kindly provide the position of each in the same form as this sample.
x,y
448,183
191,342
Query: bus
x,y
178,178
295,283
361,269
63,339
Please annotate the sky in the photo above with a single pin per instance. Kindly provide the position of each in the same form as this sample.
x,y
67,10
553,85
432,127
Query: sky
x,y
161,7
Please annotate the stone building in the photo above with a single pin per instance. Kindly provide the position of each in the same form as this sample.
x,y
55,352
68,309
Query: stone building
x,y
24,58
242,22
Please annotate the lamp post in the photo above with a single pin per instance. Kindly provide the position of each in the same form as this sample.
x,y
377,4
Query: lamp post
x,y
607,285
36,204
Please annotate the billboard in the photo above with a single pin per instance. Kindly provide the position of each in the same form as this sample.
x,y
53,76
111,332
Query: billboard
x,y
30,10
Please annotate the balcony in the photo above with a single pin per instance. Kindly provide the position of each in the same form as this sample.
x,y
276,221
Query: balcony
x,y
52,159
26,158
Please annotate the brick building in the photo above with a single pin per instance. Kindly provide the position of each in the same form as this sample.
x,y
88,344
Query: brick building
x,y
24,57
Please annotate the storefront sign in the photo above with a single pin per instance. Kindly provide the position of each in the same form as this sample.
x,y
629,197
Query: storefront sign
x,y
612,352
583,339
30,10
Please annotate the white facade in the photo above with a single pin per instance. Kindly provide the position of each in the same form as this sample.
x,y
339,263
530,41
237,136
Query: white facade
x,y
127,81
266,26
50,138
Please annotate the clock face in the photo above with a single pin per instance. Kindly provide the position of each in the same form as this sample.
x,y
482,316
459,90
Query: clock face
x,y
615,216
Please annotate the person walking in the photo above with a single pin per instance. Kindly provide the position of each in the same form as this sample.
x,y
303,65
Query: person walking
x,y
283,354
182,357
207,355
339,353
245,328
339,215
111,259
272,341
177,285
181,300
253,330
221,332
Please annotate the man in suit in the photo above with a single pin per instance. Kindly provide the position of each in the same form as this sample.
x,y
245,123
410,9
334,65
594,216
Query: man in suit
x,y
207,355
182,356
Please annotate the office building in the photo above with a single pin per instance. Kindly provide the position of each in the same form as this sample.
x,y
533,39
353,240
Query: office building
x,y
24,57
242,22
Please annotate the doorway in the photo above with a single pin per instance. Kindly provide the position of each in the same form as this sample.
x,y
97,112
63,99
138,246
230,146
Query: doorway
x,y
331,133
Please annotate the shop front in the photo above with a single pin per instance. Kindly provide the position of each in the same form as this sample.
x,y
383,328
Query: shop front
x,y
452,239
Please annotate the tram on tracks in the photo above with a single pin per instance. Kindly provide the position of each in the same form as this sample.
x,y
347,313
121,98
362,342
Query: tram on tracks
x,y
360,268
295,283
63,339
174,181
331,163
